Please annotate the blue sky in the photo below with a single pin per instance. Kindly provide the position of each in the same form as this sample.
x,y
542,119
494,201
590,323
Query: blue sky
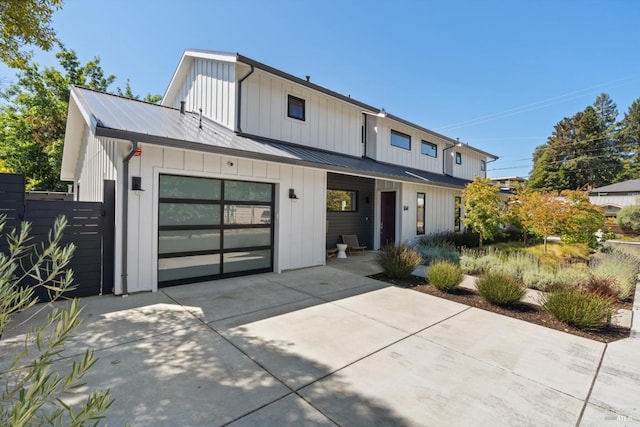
x,y
496,74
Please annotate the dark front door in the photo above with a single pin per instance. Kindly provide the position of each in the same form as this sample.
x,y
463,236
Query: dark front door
x,y
387,218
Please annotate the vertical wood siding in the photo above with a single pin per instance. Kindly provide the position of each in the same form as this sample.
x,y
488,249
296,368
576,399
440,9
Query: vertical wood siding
x,y
439,209
299,231
98,158
330,124
210,85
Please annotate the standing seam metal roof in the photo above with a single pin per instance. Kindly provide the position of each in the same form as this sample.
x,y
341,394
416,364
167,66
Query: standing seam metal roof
x,y
124,118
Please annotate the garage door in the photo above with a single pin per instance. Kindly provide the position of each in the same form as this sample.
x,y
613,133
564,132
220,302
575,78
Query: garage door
x,y
212,228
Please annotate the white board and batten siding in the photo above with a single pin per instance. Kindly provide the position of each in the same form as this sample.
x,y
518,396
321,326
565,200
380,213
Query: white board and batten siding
x,y
98,158
413,158
330,124
209,85
471,163
298,240
439,209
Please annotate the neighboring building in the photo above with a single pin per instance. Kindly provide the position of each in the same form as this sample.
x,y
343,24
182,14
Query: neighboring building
x,y
246,169
616,196
508,183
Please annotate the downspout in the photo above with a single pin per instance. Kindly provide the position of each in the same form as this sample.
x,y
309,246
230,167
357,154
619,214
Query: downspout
x,y
364,136
125,212
239,100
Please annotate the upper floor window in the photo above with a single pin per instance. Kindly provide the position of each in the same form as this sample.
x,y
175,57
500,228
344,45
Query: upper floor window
x,y
483,165
429,149
400,140
458,158
295,108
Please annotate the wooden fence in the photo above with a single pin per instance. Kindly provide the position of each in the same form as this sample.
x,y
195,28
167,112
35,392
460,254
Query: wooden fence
x,y
92,263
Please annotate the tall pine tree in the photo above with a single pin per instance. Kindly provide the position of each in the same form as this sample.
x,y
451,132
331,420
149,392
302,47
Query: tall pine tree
x,y
582,151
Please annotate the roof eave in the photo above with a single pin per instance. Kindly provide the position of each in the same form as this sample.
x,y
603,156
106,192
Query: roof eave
x,y
197,146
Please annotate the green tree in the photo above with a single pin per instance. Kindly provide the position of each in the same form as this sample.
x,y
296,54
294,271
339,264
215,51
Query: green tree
x,y
24,23
629,217
581,220
33,119
127,92
628,138
483,208
34,393
582,150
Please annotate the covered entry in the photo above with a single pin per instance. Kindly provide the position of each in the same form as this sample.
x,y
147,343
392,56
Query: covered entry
x,y
212,228
350,201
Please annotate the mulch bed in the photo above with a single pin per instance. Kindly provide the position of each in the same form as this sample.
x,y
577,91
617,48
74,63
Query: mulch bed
x,y
528,312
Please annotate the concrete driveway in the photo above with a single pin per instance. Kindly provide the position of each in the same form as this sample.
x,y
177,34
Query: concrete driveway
x,y
327,346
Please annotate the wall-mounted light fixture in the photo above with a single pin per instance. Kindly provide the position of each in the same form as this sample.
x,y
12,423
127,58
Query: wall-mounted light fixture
x,y
292,194
136,183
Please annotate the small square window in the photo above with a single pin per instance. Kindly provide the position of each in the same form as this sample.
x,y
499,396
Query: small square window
x,y
296,107
483,165
429,149
400,140
458,158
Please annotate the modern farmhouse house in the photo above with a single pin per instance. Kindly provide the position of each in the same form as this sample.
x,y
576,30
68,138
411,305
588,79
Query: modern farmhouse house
x,y
245,169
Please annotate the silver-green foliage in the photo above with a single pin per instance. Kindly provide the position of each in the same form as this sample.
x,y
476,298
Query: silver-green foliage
x,y
444,275
621,267
33,391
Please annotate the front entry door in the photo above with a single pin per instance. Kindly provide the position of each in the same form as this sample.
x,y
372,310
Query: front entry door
x,y
387,218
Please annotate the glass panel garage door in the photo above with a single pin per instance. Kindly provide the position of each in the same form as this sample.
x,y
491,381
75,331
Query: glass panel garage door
x,y
211,228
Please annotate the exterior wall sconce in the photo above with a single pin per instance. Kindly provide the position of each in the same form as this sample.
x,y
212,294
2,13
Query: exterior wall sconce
x,y
292,194
136,183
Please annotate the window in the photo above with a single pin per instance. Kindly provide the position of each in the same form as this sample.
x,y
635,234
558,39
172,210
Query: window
x,y
420,214
458,158
429,149
457,213
295,108
342,201
483,165
400,140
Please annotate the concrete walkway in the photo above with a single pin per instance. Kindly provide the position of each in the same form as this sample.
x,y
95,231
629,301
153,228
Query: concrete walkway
x,y
326,346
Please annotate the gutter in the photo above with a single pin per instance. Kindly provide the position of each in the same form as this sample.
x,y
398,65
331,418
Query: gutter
x,y
125,213
239,100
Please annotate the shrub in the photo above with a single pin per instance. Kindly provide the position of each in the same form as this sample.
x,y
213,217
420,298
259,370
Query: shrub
x,y
444,275
398,262
500,288
603,286
619,267
35,390
432,249
468,239
583,310
629,217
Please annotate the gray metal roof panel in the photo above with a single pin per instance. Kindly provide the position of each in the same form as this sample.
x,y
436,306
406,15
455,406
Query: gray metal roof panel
x,y
630,186
125,118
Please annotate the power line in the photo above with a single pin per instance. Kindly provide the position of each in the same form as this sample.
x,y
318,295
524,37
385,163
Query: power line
x,y
534,105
